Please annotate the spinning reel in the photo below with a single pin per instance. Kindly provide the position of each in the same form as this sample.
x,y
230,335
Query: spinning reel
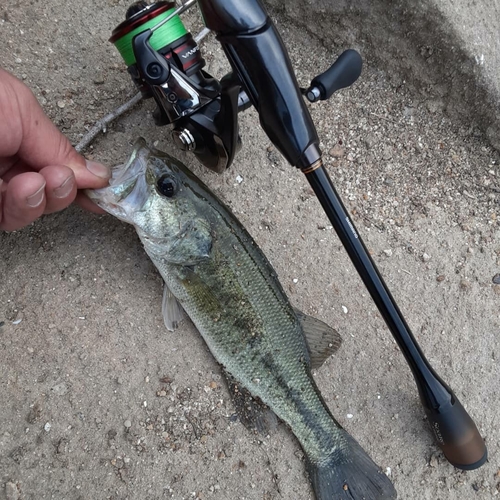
x,y
165,63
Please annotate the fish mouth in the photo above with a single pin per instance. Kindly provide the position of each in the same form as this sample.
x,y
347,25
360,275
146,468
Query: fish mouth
x,y
128,190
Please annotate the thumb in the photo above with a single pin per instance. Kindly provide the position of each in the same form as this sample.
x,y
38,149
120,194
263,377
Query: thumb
x,y
43,144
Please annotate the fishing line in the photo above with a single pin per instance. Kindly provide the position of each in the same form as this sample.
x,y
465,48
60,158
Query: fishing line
x,y
164,36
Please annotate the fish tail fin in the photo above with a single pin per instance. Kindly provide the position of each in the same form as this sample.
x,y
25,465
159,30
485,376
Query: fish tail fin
x,y
350,474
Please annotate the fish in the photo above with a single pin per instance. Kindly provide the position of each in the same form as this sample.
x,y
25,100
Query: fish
x,y
216,274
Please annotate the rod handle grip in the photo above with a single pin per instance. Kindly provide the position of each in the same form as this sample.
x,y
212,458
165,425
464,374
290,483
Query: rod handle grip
x,y
457,436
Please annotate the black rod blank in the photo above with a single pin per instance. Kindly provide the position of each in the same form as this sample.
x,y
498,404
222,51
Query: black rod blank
x,y
453,428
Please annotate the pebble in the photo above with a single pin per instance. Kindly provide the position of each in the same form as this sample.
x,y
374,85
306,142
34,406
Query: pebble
x,y
388,252
496,279
127,424
440,278
337,151
435,105
370,140
465,285
408,111
426,257
60,389
433,461
61,104
11,491
344,308
239,179
47,427
350,415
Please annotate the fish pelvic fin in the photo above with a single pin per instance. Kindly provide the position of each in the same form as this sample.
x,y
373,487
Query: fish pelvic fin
x,y
171,310
350,475
322,340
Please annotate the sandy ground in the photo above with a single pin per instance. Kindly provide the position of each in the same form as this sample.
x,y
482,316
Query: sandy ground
x,y
98,401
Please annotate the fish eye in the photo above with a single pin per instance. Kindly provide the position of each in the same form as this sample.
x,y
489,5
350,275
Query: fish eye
x,y
167,186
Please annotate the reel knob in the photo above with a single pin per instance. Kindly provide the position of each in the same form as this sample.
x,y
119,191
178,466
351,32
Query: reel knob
x,y
342,73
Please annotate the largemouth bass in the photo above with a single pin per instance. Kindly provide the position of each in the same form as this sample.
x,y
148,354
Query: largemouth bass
x,y
214,271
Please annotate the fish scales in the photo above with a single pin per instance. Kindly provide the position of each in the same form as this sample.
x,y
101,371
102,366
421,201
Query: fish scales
x,y
225,284
263,318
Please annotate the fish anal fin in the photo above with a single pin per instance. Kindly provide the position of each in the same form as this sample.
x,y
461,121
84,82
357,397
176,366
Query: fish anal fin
x,y
252,412
322,340
171,309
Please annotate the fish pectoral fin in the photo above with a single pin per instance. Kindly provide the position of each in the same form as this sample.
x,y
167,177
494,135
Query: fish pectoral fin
x,y
171,309
252,412
322,340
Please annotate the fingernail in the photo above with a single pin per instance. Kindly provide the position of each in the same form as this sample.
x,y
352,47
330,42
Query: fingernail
x,y
65,188
36,199
98,169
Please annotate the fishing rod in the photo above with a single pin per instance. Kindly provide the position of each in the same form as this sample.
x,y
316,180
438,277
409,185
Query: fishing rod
x,y
165,62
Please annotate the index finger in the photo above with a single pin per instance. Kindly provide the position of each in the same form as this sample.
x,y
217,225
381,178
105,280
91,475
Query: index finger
x,y
32,136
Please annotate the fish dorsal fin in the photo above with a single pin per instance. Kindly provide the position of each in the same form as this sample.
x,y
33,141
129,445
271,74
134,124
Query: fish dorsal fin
x,y
171,309
322,340
252,412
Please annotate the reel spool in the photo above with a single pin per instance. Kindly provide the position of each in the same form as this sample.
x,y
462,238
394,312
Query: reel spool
x,y
171,40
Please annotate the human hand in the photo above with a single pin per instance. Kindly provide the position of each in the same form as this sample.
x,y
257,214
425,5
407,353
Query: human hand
x,y
40,171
